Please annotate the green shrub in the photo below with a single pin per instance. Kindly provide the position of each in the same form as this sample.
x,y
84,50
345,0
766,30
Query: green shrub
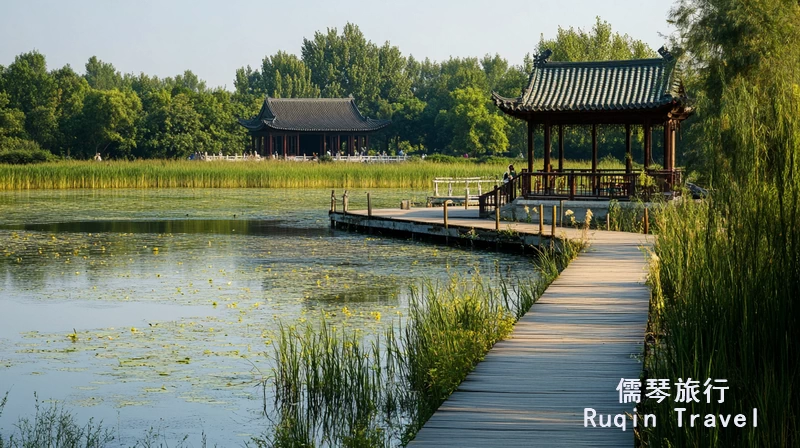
x,y
22,152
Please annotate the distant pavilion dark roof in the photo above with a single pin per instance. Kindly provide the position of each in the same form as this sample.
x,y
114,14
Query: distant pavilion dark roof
x,y
311,115
571,88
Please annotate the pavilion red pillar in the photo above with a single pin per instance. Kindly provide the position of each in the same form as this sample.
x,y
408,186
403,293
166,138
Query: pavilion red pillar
x,y
594,148
561,147
547,148
270,137
338,144
284,145
628,155
648,137
530,146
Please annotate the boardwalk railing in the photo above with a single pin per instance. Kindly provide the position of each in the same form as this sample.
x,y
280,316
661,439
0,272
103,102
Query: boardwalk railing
x,y
501,195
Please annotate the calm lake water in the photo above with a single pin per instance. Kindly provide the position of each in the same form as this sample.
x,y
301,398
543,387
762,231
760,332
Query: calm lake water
x,y
157,308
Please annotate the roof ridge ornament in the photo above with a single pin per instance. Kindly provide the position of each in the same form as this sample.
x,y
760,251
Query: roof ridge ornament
x,y
542,57
665,53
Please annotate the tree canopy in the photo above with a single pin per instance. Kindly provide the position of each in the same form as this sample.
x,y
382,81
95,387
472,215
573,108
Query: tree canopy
x,y
440,107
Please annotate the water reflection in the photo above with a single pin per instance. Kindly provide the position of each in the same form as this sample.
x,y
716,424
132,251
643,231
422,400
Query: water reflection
x,y
172,226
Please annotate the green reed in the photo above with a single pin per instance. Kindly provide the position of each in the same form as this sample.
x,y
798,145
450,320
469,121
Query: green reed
x,y
264,174
335,388
726,277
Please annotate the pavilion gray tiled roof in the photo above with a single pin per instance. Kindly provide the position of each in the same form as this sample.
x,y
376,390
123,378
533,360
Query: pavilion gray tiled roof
x,y
637,84
311,115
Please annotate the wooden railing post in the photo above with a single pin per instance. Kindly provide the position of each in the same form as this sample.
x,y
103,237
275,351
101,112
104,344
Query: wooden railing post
x,y
466,201
344,202
646,222
444,207
369,205
553,226
541,220
571,187
497,209
333,201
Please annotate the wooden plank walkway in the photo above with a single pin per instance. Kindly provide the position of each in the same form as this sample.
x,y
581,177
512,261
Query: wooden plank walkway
x,y
567,353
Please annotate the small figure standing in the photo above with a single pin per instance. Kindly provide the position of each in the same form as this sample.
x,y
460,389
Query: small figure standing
x,y
512,173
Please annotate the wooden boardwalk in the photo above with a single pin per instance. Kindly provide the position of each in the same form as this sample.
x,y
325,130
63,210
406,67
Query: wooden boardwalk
x,y
567,353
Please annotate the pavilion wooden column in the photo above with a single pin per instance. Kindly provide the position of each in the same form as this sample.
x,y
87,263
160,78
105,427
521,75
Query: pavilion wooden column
x,y
367,143
284,145
628,155
253,143
270,137
530,147
547,148
648,137
338,145
561,147
669,146
594,148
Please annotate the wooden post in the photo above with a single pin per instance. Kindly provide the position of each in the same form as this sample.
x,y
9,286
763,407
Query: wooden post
x,y
646,221
284,146
594,148
561,148
270,144
547,148
648,137
553,226
530,147
333,201
665,149
369,205
541,220
466,200
344,202
444,207
628,155
608,221
496,209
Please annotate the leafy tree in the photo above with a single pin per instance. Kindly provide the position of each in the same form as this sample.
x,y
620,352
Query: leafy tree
x,y
284,75
12,121
475,129
32,90
598,44
108,123
102,75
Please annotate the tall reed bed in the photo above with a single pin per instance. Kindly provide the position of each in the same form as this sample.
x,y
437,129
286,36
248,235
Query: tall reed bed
x,y
333,388
726,276
264,174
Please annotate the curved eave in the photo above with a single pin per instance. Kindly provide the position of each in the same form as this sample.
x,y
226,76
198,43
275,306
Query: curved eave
x,y
251,125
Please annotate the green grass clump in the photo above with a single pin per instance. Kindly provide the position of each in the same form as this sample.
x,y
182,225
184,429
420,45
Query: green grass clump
x,y
335,388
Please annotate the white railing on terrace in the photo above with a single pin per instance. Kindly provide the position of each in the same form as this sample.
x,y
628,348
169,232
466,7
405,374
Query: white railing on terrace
x,y
465,181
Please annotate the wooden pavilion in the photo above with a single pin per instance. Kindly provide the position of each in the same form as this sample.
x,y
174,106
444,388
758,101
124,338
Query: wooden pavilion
x,y
291,127
640,92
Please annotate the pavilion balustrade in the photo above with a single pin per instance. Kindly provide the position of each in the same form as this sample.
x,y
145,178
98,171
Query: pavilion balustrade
x,y
579,184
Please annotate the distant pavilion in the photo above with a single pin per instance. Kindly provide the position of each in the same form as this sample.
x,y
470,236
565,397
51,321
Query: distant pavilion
x,y
290,127
638,92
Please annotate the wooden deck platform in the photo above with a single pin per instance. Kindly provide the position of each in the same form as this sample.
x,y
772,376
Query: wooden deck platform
x,y
567,353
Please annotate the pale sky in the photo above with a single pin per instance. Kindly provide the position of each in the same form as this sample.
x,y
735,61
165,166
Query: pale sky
x,y
214,38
